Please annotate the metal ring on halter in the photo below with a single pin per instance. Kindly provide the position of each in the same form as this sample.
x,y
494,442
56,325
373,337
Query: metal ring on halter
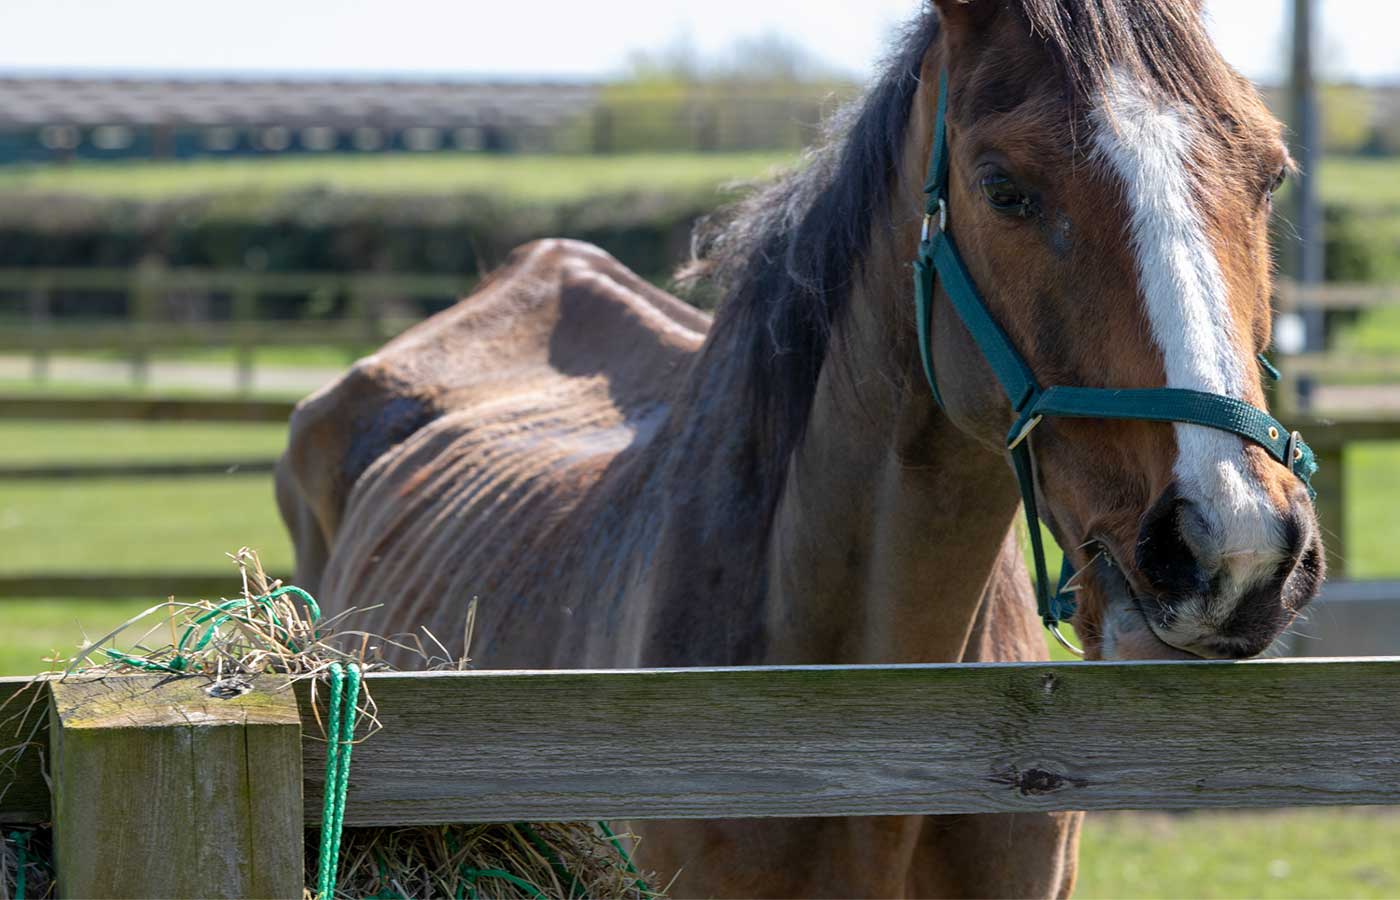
x,y
1025,432
928,231
1064,642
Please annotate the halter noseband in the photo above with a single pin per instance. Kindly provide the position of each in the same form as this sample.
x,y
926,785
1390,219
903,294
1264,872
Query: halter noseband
x,y
939,258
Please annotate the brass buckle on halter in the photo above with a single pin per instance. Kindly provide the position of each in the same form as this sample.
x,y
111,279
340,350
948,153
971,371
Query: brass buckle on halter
x,y
1290,453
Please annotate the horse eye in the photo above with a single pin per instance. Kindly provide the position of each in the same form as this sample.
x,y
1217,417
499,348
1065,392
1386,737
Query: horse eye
x,y
1279,181
1004,196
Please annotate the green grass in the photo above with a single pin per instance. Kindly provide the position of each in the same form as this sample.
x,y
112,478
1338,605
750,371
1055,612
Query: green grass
x,y
1320,853
1373,498
1361,181
123,388
35,629
529,178
84,442
313,356
1377,331
139,525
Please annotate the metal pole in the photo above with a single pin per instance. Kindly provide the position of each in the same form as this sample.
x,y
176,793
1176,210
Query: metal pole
x,y
1307,209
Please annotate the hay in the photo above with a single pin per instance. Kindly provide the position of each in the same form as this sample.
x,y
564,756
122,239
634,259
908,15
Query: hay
x,y
251,636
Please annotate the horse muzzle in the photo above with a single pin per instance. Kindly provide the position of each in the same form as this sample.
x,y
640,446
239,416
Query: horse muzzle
x,y
1192,588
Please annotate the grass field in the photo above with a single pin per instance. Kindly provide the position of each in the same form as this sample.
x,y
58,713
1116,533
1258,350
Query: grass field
x,y
1363,182
65,442
527,178
122,387
139,525
1319,853
36,630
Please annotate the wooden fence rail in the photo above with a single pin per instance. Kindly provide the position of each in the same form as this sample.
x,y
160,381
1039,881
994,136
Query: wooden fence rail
x,y
876,740
147,326
126,469
144,409
1291,296
225,776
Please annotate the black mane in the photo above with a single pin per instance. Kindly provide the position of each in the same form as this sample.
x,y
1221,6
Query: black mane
x,y
784,259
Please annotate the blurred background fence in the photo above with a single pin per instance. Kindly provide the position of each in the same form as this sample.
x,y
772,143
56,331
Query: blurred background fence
x,y
183,257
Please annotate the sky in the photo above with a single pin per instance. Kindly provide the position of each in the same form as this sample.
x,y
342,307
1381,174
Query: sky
x,y
565,38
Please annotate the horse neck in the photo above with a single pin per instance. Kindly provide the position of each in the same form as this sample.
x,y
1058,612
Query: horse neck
x,y
874,539
888,530
891,521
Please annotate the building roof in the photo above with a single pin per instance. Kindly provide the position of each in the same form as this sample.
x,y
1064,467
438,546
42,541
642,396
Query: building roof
x,y
27,102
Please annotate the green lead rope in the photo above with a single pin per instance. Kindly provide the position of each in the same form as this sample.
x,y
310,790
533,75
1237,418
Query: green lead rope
x,y
210,622
345,693
21,842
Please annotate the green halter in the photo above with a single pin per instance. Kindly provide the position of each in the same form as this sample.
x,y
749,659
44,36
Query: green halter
x,y
939,258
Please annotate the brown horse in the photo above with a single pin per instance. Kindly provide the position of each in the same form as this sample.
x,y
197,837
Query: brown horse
x,y
623,481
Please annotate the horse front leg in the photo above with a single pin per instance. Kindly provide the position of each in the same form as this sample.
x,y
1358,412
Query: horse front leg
x,y
1014,854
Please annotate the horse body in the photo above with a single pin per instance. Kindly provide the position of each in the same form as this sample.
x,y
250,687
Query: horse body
x,y
574,459
623,481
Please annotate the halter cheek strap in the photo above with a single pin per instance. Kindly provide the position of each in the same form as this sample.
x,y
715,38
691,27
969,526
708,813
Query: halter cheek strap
x,y
939,259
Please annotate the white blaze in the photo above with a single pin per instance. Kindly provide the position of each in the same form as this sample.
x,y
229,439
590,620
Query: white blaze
x,y
1148,144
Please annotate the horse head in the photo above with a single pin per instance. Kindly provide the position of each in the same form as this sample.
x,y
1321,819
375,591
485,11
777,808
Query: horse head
x,y
1110,188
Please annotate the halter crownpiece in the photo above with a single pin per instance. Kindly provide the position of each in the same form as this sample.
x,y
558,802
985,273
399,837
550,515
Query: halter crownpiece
x,y
939,258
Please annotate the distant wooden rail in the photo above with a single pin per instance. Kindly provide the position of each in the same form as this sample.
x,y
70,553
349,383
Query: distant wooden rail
x,y
106,585
144,409
1291,296
147,327
69,471
1328,437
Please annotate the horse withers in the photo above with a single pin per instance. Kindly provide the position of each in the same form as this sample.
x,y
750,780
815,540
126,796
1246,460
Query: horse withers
x,y
624,481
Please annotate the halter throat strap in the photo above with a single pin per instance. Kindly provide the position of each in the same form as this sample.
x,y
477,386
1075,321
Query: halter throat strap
x,y
938,258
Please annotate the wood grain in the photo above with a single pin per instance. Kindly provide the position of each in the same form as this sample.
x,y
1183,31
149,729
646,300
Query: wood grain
x,y
485,747
550,746
162,790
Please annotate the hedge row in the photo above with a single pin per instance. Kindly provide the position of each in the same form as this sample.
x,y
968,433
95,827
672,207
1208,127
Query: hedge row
x,y
325,231
459,234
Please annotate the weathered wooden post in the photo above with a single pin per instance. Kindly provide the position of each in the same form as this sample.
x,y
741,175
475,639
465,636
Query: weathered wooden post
x,y
244,317
166,787
40,322
147,280
1311,264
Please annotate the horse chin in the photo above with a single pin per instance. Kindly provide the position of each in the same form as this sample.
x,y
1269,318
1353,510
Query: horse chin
x,y
1128,635
1127,632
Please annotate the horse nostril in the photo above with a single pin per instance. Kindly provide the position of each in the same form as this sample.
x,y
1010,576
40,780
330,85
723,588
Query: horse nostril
x,y
1172,547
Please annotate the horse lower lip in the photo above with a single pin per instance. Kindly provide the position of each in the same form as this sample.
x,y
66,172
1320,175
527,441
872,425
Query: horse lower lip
x,y
1128,629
